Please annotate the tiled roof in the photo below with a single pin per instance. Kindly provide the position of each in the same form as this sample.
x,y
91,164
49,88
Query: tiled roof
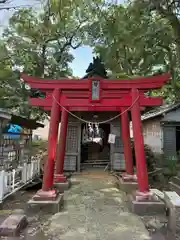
x,y
19,120
159,111
5,114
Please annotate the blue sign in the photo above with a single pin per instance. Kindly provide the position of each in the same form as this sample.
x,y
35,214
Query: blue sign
x,y
16,130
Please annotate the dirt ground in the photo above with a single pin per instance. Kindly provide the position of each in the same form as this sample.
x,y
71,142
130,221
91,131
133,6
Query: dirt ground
x,y
95,210
34,231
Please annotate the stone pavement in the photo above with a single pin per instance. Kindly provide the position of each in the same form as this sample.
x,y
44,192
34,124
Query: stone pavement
x,y
95,210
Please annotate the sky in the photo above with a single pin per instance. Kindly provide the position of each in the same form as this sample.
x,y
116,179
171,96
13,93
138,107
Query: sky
x,y
82,56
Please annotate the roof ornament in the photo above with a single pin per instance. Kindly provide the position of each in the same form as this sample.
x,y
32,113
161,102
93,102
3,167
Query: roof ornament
x,y
96,68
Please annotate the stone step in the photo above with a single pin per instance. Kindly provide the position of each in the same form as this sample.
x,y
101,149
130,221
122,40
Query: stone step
x,y
89,168
12,225
96,160
176,180
174,187
95,163
93,166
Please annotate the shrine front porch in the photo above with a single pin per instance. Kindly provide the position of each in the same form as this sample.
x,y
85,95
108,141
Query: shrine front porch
x,y
81,155
95,150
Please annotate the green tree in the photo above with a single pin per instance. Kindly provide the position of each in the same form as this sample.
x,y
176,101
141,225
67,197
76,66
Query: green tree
x,y
129,43
133,42
167,11
40,44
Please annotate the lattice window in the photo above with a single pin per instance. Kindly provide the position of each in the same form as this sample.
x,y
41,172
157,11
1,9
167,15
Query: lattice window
x,y
116,129
118,144
70,163
118,161
72,139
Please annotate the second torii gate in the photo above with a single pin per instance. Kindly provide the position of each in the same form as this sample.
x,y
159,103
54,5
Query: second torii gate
x,y
95,94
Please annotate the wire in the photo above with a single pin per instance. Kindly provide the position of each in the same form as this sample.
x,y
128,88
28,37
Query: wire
x,y
102,122
15,7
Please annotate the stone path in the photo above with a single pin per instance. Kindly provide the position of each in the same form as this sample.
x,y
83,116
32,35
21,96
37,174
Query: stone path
x,y
95,210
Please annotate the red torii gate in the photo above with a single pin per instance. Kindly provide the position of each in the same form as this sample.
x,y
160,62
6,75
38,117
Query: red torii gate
x,y
68,95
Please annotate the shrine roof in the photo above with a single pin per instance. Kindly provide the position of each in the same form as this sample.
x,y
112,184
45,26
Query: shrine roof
x,y
5,114
25,122
19,120
96,69
159,111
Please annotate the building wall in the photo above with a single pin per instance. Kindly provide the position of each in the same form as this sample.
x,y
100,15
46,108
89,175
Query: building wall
x,y
169,141
42,133
153,134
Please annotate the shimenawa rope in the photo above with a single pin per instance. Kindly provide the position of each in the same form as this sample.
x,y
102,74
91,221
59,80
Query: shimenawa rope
x,y
102,122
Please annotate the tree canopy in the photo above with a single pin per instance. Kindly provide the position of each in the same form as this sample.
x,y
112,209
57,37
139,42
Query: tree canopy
x,y
139,38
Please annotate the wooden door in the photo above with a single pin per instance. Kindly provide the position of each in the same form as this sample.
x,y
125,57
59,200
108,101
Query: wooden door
x,y
117,149
72,147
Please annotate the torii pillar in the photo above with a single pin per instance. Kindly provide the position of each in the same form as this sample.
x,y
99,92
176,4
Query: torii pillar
x,y
47,192
129,174
142,173
60,180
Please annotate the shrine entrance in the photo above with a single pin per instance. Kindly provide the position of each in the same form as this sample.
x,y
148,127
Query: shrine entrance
x,y
113,100
95,149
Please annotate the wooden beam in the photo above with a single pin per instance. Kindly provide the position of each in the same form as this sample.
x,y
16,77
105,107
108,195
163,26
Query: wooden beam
x,y
88,109
124,102
104,94
85,94
91,109
147,83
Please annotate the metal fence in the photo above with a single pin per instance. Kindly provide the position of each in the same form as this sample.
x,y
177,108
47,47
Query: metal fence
x,y
17,168
12,181
14,150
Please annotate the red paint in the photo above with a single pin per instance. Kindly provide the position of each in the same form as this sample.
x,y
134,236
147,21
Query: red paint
x,y
115,94
127,142
52,143
59,177
142,173
116,102
104,94
147,83
85,94
91,109
49,195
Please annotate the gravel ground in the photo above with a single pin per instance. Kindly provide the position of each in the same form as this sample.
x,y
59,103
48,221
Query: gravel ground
x,y
95,210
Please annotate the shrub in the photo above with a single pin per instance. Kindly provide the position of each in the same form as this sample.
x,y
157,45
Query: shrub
x,y
150,157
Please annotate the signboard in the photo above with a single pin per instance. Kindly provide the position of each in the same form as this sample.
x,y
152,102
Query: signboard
x,y
13,131
111,138
95,90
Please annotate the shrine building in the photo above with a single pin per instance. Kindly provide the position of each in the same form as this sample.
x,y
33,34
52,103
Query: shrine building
x,y
94,113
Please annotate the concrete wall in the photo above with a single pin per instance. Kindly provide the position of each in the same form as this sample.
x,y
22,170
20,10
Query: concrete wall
x,y
42,132
153,134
